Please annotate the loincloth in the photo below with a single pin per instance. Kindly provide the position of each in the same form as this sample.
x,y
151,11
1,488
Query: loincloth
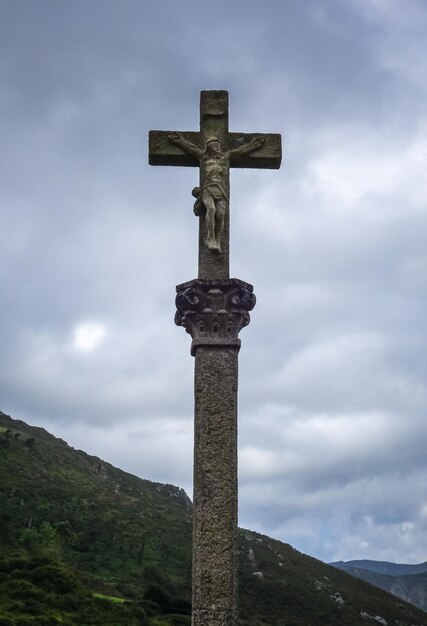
x,y
216,191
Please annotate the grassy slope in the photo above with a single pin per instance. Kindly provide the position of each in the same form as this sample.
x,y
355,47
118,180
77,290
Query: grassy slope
x,y
77,534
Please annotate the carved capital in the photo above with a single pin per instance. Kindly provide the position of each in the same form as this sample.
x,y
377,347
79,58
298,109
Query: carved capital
x,y
214,312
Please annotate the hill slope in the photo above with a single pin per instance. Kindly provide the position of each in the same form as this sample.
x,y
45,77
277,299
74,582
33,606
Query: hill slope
x,y
84,543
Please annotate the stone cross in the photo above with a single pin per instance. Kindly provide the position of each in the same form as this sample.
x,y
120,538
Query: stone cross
x,y
214,150
213,309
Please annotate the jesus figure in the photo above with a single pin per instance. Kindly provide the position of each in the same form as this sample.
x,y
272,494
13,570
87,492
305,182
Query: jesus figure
x,y
212,194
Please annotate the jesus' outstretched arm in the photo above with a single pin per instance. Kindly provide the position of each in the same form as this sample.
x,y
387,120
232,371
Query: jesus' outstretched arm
x,y
257,142
189,147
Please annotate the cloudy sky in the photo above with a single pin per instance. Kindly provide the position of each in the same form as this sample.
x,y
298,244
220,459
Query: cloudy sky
x,y
332,417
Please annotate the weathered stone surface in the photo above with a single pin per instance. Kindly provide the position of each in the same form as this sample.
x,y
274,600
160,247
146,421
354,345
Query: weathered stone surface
x,y
215,487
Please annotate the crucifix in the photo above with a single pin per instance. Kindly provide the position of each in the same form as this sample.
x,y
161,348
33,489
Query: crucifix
x,y
213,308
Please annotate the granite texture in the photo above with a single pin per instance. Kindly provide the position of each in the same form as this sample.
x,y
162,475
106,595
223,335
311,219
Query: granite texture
x,y
215,487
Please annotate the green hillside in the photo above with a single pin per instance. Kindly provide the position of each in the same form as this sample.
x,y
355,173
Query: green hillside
x,y
86,544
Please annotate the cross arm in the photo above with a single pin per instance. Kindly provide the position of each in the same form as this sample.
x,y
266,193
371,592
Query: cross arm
x,y
162,151
268,156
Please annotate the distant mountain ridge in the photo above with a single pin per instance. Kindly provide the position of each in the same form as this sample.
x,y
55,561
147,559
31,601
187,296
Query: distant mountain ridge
x,y
406,581
383,567
83,543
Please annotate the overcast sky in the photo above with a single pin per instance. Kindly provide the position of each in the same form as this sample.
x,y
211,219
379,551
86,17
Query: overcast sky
x,y
332,390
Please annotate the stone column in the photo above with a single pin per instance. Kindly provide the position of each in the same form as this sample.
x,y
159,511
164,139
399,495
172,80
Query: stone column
x,y
213,313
